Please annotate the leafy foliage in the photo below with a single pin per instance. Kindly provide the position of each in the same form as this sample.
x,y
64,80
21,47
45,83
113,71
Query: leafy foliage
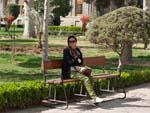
x,y
13,10
102,6
120,27
20,95
62,8
64,30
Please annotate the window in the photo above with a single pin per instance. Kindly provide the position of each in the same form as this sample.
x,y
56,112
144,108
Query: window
x,y
78,7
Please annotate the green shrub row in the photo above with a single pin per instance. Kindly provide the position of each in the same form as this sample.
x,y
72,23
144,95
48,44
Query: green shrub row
x,y
18,26
21,95
53,30
65,33
64,28
135,77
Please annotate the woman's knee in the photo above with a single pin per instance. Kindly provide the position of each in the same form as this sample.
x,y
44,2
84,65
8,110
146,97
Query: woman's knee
x,y
86,78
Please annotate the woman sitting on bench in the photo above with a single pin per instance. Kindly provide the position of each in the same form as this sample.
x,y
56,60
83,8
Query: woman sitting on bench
x,y
72,61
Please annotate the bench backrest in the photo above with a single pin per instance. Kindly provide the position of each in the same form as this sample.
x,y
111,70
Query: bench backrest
x,y
89,61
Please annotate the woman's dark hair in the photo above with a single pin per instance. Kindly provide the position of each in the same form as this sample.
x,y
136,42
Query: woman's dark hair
x,y
72,36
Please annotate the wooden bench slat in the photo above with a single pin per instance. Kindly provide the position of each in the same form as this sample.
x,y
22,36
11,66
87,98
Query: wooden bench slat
x,y
93,61
101,76
105,76
60,81
90,61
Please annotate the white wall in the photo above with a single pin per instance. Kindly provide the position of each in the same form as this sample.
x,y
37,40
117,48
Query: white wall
x,y
1,8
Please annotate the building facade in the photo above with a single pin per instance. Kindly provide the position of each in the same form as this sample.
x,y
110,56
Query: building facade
x,y
79,8
4,3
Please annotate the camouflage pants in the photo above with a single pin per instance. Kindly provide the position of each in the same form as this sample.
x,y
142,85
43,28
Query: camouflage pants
x,y
87,81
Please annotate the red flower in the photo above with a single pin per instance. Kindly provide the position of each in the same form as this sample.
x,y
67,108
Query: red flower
x,y
84,19
9,19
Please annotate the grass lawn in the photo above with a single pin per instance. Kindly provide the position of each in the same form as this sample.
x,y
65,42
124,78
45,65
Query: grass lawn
x,y
18,31
27,66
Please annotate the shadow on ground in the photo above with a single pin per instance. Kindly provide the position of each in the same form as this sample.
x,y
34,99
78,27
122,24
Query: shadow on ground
x,y
115,103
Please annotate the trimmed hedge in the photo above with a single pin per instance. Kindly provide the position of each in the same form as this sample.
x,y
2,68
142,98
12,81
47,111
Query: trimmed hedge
x,y
65,30
21,95
65,33
53,30
135,77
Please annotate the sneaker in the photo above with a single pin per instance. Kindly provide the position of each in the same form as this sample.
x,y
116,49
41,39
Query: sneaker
x,y
95,101
98,100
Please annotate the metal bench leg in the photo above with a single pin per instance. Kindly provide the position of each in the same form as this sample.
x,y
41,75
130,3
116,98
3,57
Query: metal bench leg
x,y
75,84
123,89
113,81
108,87
81,91
97,87
65,96
52,96
55,93
50,91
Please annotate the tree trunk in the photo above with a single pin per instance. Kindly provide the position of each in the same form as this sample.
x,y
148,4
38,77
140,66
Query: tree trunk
x,y
126,53
145,45
29,30
112,5
148,47
39,37
45,31
94,11
146,5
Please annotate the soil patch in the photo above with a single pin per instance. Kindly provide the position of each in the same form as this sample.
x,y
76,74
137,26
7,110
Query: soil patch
x,y
30,50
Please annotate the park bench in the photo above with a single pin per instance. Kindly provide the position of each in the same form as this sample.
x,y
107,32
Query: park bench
x,y
89,61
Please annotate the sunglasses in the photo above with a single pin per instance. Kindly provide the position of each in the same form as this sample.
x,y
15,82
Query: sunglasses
x,y
72,41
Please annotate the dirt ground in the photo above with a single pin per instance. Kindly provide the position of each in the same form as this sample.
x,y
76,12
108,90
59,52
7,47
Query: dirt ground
x,y
30,50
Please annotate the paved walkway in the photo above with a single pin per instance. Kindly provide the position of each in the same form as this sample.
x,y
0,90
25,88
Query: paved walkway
x,y
137,101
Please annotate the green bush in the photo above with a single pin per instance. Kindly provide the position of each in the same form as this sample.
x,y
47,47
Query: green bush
x,y
65,33
53,30
130,78
135,77
21,95
64,30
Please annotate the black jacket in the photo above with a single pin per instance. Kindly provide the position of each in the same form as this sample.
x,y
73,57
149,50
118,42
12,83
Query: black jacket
x,y
69,61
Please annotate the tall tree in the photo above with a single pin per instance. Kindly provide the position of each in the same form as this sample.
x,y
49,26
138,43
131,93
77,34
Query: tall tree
x,y
45,31
62,9
119,29
146,7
